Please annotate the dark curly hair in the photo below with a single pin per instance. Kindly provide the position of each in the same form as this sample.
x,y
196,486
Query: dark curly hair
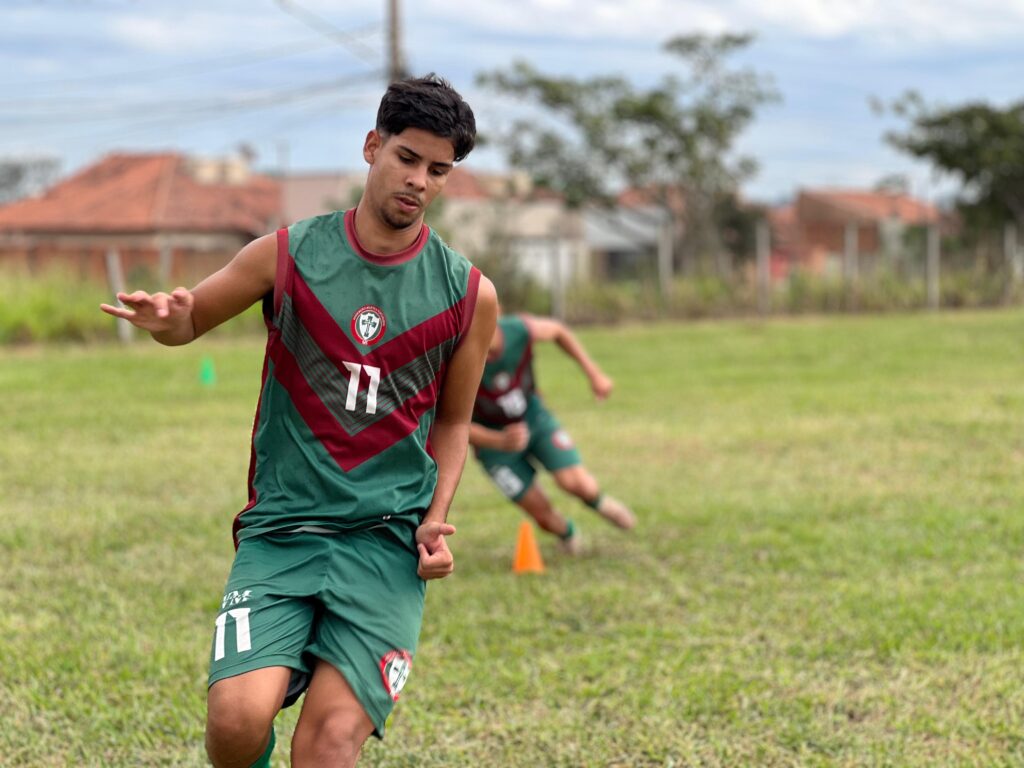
x,y
430,104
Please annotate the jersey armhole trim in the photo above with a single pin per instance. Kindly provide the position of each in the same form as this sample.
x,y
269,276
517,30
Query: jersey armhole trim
x,y
469,309
282,277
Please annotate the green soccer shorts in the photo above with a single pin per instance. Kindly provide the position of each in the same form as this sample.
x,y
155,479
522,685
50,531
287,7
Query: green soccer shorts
x,y
353,599
550,447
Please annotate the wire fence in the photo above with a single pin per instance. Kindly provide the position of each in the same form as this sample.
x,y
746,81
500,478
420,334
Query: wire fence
x,y
925,269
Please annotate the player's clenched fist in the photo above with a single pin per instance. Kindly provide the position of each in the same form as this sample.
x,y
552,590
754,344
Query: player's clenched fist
x,y
436,560
515,437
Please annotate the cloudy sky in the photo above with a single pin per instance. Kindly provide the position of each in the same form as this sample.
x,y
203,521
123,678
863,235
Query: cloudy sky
x,y
84,77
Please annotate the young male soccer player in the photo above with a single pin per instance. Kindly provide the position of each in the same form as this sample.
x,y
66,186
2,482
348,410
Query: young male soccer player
x,y
377,337
513,431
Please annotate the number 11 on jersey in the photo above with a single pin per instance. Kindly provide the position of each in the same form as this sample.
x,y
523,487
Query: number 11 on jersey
x,y
355,371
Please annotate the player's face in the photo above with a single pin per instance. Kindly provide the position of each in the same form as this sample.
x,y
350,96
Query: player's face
x,y
407,170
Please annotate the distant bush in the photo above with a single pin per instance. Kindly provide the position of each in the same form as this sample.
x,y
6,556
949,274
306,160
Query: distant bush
x,y
800,293
51,307
517,291
54,307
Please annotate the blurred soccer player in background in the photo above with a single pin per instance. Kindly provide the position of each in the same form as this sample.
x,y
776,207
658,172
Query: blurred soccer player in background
x,y
513,433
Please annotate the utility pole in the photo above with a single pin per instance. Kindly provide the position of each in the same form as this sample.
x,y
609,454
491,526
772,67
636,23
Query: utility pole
x,y
396,62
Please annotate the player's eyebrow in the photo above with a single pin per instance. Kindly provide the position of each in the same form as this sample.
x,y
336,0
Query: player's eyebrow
x,y
418,156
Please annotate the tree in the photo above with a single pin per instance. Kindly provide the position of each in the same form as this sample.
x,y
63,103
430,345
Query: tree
x,y
21,177
979,144
588,138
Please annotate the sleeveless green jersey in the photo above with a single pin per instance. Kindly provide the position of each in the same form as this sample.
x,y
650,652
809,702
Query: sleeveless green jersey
x,y
357,350
507,389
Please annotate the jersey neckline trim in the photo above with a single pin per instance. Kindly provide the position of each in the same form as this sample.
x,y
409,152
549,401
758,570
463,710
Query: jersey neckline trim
x,y
383,260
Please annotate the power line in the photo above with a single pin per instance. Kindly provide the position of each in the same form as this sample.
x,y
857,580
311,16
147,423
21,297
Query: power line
x,y
142,120
327,29
197,67
185,106
78,5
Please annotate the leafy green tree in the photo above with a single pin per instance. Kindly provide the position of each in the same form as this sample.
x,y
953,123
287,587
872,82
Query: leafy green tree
x,y
588,138
979,144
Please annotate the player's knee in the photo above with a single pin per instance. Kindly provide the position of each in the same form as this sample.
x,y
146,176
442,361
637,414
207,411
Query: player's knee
x,y
333,739
577,482
235,731
232,742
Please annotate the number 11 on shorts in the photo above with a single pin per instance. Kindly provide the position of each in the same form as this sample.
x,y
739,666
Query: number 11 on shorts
x,y
243,642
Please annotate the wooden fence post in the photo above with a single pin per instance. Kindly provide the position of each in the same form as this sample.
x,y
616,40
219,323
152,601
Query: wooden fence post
x,y
851,277
764,275
166,266
665,259
557,279
1011,252
115,279
932,267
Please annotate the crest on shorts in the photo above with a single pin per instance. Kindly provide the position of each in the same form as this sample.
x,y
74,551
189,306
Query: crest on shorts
x,y
368,324
394,669
561,440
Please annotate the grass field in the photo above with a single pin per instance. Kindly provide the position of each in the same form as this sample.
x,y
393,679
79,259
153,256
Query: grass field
x,y
827,572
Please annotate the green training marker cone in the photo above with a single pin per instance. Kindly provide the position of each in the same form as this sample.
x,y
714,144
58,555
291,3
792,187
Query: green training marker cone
x,y
207,373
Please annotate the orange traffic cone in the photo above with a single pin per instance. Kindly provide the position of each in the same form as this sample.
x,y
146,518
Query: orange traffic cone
x,y
527,557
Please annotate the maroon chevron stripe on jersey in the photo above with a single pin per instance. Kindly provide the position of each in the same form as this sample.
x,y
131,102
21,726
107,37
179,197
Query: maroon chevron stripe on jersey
x,y
311,360
348,453
357,352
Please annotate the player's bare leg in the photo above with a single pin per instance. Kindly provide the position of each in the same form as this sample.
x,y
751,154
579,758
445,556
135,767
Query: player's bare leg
x,y
537,505
333,725
581,484
239,713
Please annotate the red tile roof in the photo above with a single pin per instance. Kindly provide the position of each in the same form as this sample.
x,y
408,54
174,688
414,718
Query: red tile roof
x,y
463,184
637,197
871,206
146,193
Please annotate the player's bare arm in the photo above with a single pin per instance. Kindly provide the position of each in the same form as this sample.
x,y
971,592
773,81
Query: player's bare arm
x,y
450,434
549,329
181,316
513,437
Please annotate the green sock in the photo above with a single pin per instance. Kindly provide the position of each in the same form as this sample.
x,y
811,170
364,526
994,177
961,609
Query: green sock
x,y
596,502
570,530
264,759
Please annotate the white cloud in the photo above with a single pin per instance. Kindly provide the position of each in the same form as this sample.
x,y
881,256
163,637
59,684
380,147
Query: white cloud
x,y
163,34
190,27
827,56
576,19
907,22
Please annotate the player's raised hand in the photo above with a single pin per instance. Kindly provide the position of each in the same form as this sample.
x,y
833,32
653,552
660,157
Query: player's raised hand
x,y
153,312
601,385
436,560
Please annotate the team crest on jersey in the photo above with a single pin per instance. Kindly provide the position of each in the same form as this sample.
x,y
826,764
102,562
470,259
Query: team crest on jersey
x,y
394,669
502,380
562,440
368,324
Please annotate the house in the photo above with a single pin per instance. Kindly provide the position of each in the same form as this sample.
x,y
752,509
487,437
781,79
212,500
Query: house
x,y
481,214
304,195
623,240
171,218
814,232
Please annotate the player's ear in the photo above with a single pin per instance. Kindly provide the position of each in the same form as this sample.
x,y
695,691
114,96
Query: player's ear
x,y
372,145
